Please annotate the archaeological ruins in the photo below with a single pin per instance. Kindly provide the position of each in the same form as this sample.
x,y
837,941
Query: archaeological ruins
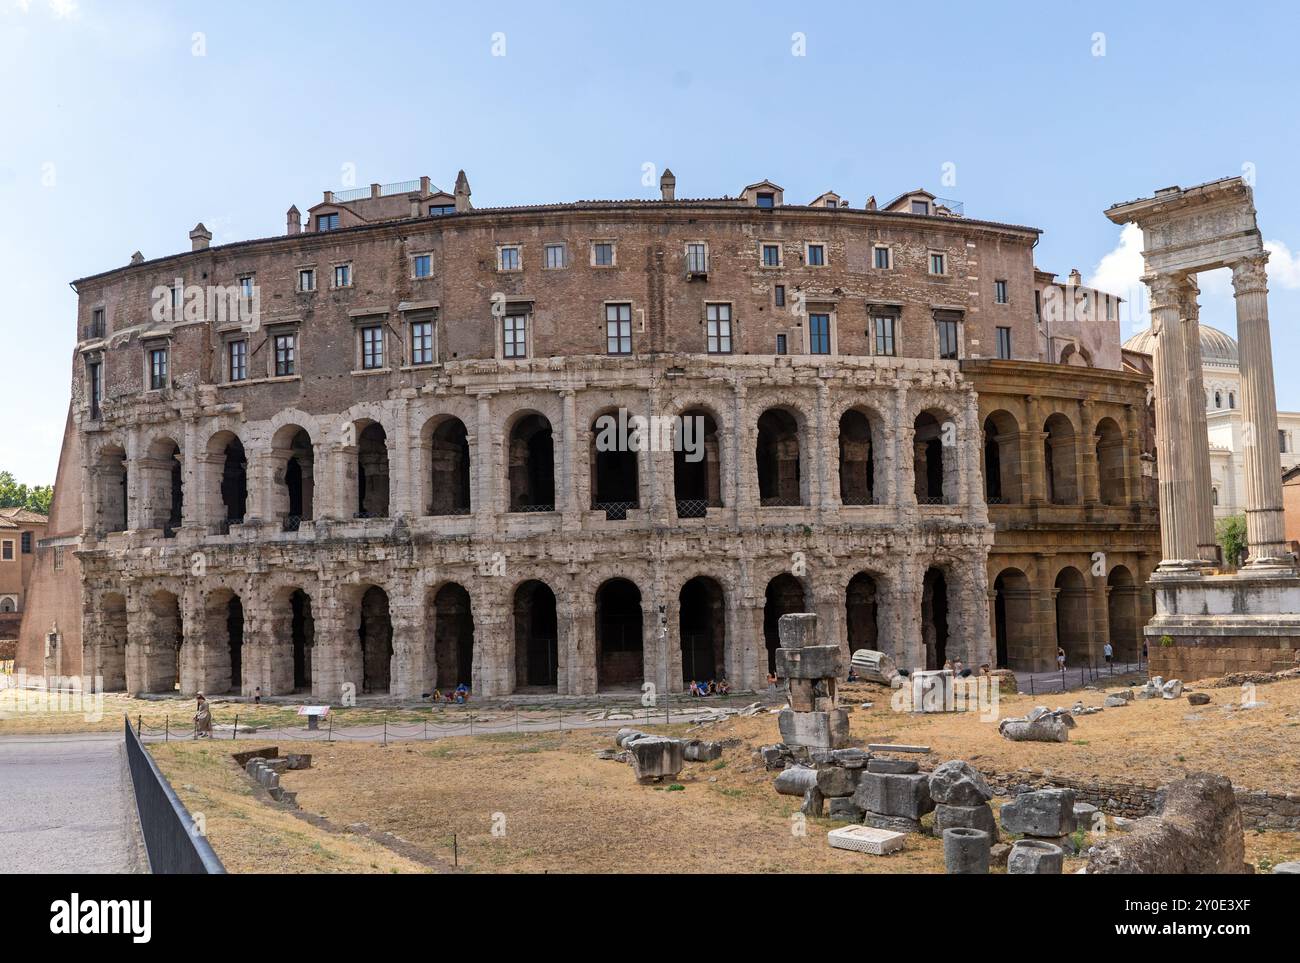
x,y
366,455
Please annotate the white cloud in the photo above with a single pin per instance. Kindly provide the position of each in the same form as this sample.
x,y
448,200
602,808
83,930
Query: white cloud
x,y
1283,266
1120,272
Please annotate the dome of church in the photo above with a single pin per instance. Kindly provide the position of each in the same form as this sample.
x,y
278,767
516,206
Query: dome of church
x,y
1216,346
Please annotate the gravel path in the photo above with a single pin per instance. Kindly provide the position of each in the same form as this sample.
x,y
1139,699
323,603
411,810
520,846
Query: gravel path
x,y
66,806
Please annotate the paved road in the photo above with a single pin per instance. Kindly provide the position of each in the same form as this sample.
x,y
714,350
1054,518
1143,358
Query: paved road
x,y
1050,681
66,806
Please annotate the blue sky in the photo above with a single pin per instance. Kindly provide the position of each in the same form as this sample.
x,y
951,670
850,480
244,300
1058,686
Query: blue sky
x,y
123,124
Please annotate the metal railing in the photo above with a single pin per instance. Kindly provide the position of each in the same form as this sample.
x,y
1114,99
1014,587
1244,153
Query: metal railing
x,y
692,508
524,509
453,510
291,523
614,511
360,193
168,829
780,501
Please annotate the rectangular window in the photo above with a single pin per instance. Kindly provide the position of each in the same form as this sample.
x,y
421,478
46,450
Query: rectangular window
x,y
718,324
1038,304
781,343
97,323
421,342
766,200
58,558
885,335
771,255
920,207
246,287
7,551
1281,441
1109,309
555,257
816,255
285,345
178,295
508,258
936,263
157,369
26,543
948,340
372,347
343,275
697,259
1000,292
880,258
423,265
514,336
819,334
618,328
602,255
1004,344
439,210
307,279
95,375
327,222
778,296
238,360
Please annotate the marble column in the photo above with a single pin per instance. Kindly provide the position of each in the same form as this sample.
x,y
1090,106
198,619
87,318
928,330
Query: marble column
x,y
1174,444
1198,431
1262,459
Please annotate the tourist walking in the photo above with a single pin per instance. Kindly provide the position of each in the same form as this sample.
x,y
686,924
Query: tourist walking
x,y
203,719
1060,658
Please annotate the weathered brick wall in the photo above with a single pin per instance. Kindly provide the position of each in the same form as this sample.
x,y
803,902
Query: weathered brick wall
x,y
1259,810
1191,662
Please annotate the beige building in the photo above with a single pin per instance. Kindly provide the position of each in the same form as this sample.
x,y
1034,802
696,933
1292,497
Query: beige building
x,y
20,529
559,448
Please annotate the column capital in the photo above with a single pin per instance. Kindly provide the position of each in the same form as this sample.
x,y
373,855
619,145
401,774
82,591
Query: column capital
x,y
1249,275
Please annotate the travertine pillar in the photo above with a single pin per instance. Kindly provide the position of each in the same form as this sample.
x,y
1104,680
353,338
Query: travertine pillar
x,y
1203,510
1086,453
1262,460
1174,445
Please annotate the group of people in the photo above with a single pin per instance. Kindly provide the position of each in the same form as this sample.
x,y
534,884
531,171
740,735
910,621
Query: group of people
x,y
720,687
458,695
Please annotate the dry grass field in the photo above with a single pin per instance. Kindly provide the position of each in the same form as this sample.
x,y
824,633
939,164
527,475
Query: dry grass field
x,y
557,808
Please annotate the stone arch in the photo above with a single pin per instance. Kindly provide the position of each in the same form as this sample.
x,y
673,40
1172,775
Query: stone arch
x,y
223,636
373,470
702,629
862,461
161,473
165,634
620,626
613,465
784,595
783,479
447,466
291,644
111,660
1076,355
1123,614
1060,475
936,464
1013,609
293,467
452,626
1002,468
697,462
862,611
1111,455
530,462
374,627
228,480
110,489
536,637
1071,594
936,609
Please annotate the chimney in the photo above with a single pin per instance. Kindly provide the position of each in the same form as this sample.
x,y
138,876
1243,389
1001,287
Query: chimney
x,y
424,186
376,190
294,221
462,193
668,185
871,202
200,237
1075,277
137,258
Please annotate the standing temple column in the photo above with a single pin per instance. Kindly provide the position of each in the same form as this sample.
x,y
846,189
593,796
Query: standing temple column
x,y
1262,459
1174,445
1203,510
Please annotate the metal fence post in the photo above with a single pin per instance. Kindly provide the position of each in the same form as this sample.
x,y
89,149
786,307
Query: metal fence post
x,y
330,737
385,730
167,735
234,734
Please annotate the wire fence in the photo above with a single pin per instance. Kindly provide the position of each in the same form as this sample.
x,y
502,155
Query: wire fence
x,y
466,721
1042,683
